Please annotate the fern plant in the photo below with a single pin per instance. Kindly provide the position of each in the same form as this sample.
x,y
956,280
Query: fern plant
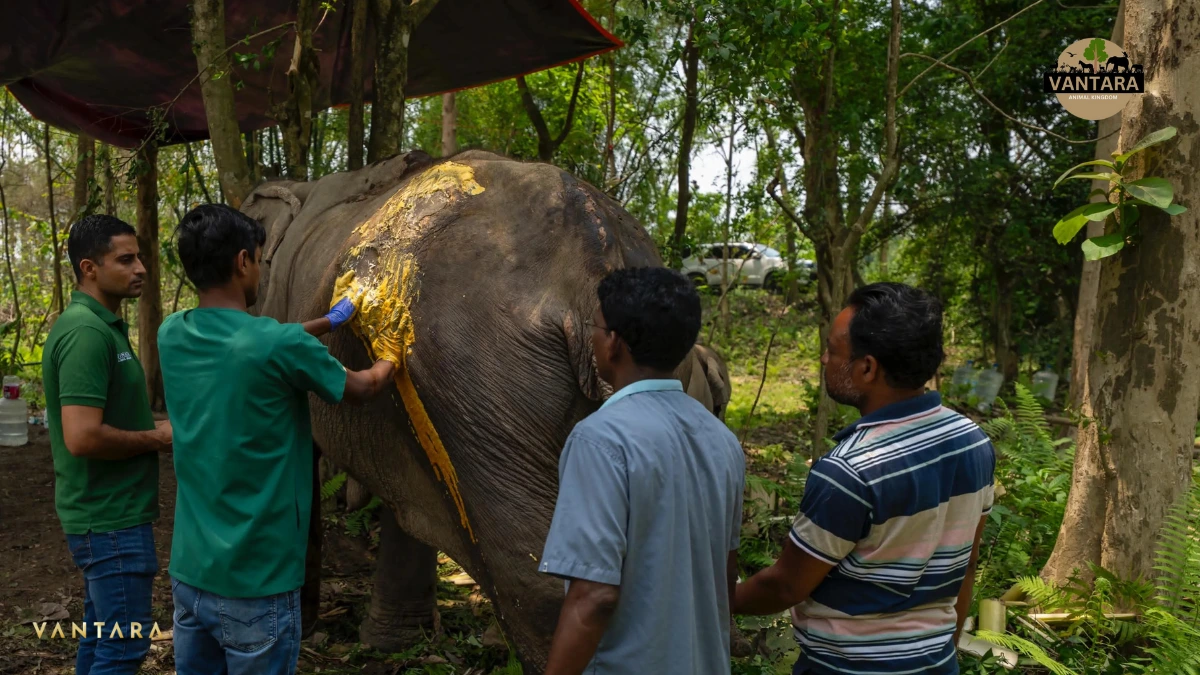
x,y
331,486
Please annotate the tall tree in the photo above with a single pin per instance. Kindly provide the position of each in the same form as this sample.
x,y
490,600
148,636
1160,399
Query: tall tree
x,y
548,145
823,218
691,110
395,21
450,125
56,302
358,57
150,302
85,177
1140,403
1089,281
296,112
216,87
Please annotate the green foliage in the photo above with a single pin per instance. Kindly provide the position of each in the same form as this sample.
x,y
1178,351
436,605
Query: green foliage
x,y
359,522
331,486
1033,472
1121,210
1030,649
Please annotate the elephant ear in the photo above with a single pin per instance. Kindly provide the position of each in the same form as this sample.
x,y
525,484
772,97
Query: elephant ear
x,y
718,379
583,359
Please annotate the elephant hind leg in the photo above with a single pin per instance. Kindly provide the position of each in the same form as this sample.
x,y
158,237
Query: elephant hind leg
x,y
404,597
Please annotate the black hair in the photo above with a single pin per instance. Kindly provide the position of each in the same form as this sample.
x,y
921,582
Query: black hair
x,y
901,327
210,238
91,239
656,311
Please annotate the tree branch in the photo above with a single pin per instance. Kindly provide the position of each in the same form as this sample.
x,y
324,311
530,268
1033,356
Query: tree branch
x,y
891,162
971,83
570,108
791,213
959,48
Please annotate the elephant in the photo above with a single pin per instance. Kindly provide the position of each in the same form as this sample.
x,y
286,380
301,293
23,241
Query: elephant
x,y
479,274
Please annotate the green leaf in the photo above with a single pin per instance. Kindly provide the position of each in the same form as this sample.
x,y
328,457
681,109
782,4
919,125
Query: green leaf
x,y
1096,162
1154,138
1175,209
1154,191
1102,247
1070,225
1096,176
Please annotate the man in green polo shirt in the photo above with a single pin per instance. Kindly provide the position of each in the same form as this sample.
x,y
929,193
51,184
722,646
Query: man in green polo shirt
x,y
105,445
237,390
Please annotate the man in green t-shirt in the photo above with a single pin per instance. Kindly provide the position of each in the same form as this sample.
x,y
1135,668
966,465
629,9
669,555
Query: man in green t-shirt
x,y
105,444
237,390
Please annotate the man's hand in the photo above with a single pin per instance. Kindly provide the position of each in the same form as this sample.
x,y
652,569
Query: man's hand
x,y
585,614
340,313
783,585
162,431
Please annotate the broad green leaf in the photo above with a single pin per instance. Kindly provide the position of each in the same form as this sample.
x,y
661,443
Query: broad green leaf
x,y
1154,191
1094,162
1151,139
1175,209
1102,247
1070,225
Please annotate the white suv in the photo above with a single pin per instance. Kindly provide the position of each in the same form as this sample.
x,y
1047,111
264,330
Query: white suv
x,y
747,264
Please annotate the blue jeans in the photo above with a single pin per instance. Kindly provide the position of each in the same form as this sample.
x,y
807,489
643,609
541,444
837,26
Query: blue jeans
x,y
215,635
118,581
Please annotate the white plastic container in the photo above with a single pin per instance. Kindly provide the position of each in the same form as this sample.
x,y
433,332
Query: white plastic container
x,y
1044,384
987,387
964,376
14,414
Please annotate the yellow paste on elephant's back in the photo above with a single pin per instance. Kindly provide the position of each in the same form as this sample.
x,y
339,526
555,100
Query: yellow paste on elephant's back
x,y
384,297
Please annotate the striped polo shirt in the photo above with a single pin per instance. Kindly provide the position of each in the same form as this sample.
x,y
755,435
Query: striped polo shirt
x,y
895,507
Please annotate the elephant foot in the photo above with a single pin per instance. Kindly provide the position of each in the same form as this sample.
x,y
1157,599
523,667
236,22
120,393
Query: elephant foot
x,y
393,636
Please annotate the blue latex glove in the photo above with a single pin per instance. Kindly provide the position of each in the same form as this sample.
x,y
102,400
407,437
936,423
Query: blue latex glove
x,y
340,313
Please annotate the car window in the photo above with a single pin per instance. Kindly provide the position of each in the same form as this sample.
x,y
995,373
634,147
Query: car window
x,y
769,252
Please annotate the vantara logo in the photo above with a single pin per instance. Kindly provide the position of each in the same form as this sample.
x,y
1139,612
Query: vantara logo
x,y
98,630
1094,79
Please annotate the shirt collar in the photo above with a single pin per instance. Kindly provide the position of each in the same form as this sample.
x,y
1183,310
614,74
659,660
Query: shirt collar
x,y
643,386
912,408
98,309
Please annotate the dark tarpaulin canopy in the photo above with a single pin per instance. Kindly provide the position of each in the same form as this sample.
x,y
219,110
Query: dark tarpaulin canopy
x,y
107,68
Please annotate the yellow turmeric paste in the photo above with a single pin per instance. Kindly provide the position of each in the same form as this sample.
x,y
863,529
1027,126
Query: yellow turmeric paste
x,y
383,289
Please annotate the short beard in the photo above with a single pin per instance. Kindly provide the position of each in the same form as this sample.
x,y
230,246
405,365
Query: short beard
x,y
840,387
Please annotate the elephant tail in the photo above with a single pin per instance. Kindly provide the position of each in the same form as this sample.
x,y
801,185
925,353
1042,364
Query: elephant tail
x,y
582,358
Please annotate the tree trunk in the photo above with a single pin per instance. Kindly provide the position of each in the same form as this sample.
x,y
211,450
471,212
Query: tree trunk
x,y
110,189
608,169
296,113
449,125
726,281
216,87
691,72
358,57
1135,456
56,298
253,156
547,145
1085,310
397,21
150,303
12,279
85,176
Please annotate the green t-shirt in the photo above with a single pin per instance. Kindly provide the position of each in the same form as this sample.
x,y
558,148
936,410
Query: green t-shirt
x,y
237,388
87,361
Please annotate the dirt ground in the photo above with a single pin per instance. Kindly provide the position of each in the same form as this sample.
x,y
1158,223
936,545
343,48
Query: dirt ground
x,y
38,580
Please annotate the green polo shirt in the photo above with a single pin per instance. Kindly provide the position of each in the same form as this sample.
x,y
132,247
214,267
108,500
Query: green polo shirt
x,y
237,388
87,360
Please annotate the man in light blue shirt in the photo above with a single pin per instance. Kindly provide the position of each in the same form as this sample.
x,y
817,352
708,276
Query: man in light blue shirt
x,y
650,499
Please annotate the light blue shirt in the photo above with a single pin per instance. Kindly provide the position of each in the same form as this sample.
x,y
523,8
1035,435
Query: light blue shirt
x,y
650,499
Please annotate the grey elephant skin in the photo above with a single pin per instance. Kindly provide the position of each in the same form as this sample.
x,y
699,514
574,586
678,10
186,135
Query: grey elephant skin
x,y
503,281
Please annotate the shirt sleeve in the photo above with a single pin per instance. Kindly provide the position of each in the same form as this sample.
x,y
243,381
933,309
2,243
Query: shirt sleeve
x,y
587,537
308,366
835,512
85,361
739,492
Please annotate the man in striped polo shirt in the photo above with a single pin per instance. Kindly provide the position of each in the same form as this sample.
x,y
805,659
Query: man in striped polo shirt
x,y
880,563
